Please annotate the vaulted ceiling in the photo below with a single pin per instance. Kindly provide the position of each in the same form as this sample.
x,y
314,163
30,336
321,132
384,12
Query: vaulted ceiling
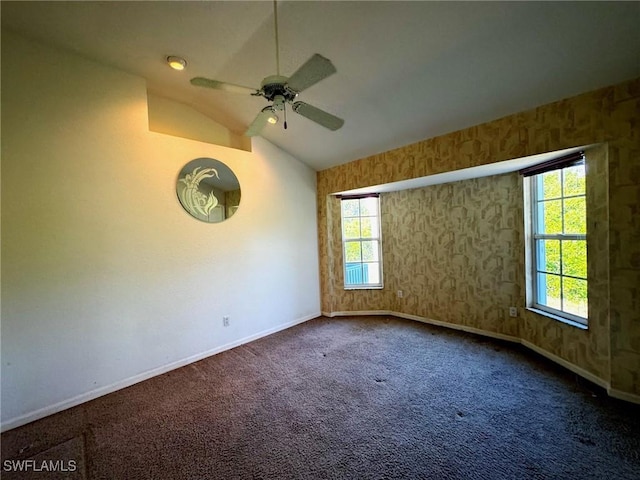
x,y
406,71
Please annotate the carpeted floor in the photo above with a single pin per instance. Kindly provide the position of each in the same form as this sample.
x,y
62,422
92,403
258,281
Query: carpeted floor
x,y
348,398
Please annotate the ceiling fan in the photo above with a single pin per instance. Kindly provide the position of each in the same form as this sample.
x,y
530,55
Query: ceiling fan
x,y
280,91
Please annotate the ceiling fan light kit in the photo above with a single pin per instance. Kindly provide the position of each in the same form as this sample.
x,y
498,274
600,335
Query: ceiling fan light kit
x,y
280,90
272,118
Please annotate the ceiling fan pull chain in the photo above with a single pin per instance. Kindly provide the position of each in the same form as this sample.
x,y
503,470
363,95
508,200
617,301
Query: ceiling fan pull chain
x,y
285,115
275,16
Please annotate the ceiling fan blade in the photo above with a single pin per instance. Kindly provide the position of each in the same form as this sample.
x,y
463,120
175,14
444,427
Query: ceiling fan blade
x,y
258,124
313,70
319,116
227,87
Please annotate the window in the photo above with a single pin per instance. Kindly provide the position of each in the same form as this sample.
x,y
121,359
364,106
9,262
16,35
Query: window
x,y
361,242
558,232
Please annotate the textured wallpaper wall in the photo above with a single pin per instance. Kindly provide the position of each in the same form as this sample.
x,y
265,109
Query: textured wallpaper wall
x,y
454,250
458,249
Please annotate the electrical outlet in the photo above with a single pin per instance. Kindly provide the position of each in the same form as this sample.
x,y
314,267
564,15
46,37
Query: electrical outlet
x,y
400,294
513,311
225,321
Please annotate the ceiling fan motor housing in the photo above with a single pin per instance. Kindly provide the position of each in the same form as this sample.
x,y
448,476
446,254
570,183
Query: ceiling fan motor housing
x,y
276,85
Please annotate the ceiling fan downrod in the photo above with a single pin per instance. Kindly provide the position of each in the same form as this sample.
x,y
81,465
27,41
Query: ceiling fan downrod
x,y
275,17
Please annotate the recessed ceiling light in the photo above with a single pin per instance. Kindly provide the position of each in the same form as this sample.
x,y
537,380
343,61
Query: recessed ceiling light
x,y
177,63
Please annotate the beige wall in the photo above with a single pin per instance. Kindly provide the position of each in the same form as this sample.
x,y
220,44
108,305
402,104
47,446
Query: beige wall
x,y
106,280
180,120
458,249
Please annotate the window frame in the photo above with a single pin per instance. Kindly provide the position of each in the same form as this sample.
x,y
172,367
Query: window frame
x,y
535,237
377,236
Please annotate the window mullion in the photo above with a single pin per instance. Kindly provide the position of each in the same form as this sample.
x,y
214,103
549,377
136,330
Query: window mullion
x,y
562,204
561,272
534,185
560,236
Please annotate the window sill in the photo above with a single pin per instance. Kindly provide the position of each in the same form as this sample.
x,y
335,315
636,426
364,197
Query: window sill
x,y
559,318
364,287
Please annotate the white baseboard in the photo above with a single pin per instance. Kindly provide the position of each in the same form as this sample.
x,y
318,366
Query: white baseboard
x,y
464,328
99,392
430,321
627,397
620,395
357,313
566,364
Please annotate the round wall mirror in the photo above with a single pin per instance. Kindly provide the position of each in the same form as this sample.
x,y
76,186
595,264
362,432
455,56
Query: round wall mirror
x,y
208,190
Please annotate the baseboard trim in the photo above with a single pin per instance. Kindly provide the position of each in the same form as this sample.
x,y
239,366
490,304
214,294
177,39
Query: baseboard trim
x,y
417,318
566,364
612,392
626,396
99,392
357,313
464,328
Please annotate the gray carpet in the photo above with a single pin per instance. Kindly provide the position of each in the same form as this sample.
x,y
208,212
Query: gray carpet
x,y
352,398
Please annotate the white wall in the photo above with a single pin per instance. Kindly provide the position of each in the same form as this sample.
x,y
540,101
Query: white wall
x,y
106,280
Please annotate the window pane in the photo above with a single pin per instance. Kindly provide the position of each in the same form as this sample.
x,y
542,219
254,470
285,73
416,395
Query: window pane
x,y
550,216
575,215
370,251
574,258
350,208
551,186
352,252
372,272
548,255
575,296
548,290
370,227
351,227
369,206
354,274
574,180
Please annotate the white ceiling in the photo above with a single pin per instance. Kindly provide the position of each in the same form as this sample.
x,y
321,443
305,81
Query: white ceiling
x,y
406,70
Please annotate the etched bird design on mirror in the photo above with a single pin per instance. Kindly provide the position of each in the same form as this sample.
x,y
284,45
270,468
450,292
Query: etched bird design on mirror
x,y
194,200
